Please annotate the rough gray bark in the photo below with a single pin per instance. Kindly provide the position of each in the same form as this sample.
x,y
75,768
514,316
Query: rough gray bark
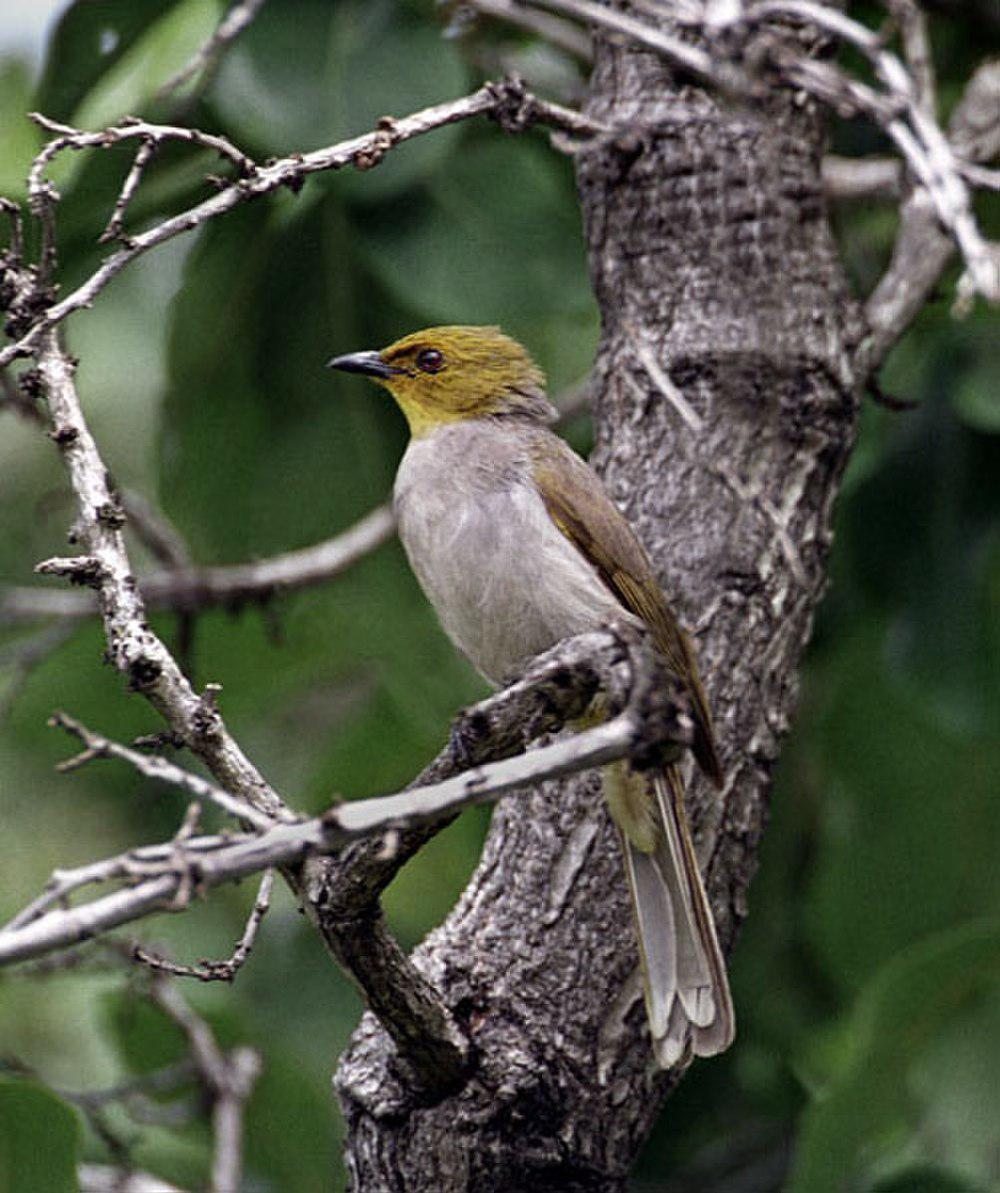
x,y
709,252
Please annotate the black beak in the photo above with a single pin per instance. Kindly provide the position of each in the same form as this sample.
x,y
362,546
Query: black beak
x,y
369,363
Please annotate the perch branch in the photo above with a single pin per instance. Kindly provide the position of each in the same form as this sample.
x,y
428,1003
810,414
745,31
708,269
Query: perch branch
x,y
652,716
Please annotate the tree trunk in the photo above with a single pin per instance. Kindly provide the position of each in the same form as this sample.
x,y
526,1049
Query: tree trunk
x,y
711,258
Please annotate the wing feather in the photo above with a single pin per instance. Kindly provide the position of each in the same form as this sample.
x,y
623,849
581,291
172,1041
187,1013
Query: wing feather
x,y
583,512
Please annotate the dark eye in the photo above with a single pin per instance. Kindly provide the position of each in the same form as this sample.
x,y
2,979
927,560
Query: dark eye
x,y
429,360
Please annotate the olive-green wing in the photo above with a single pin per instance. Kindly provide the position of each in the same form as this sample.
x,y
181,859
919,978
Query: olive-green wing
x,y
582,510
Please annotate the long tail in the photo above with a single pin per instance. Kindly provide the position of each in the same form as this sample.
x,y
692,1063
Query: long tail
x,y
684,975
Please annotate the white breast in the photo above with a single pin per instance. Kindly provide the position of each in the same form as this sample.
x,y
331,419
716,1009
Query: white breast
x,y
505,582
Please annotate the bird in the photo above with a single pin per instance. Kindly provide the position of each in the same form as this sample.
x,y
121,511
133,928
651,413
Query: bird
x,y
517,545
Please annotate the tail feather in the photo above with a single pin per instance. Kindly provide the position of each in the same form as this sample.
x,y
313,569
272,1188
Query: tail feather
x,y
684,976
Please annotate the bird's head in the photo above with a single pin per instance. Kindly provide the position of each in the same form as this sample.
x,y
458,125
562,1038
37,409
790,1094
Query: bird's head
x,y
447,374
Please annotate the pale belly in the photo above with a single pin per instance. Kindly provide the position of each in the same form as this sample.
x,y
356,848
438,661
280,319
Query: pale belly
x,y
505,582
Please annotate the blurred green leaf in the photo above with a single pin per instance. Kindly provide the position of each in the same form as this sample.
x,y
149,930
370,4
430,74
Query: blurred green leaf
x,y
146,1040
494,242
89,40
19,138
39,1139
924,1179
160,49
924,542
308,73
290,1133
272,89
977,394
387,62
908,817
878,1106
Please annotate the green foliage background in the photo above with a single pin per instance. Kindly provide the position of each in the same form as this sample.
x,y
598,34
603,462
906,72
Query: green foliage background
x,y
868,978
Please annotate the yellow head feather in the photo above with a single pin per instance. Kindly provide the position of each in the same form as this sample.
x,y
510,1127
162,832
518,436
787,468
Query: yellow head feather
x,y
445,374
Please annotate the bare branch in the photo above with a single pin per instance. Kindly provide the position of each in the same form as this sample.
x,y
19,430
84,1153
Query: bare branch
x,y
974,127
155,530
697,61
192,589
507,101
130,128
219,971
228,1079
903,109
916,51
132,646
206,59
922,250
980,176
902,115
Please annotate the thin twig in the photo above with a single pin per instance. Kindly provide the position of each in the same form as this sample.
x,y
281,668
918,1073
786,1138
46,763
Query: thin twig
x,y
153,766
661,379
197,588
916,50
846,179
922,250
219,971
143,156
130,128
701,63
